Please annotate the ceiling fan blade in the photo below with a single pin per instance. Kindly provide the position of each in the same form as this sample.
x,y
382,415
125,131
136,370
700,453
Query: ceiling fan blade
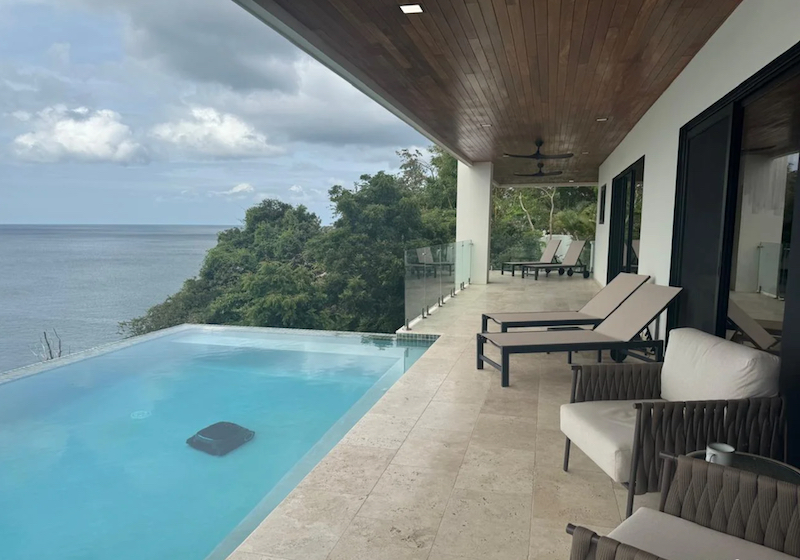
x,y
539,174
556,156
530,156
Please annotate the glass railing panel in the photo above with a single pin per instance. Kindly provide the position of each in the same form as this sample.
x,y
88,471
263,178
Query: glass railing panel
x,y
769,266
432,274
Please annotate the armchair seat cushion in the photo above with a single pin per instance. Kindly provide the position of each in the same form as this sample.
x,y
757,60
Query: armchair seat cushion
x,y
604,431
699,366
674,538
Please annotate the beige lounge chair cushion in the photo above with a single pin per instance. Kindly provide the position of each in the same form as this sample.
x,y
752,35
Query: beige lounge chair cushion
x,y
699,366
674,538
604,431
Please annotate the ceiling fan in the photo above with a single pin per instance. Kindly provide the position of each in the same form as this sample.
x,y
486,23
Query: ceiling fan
x,y
539,173
539,155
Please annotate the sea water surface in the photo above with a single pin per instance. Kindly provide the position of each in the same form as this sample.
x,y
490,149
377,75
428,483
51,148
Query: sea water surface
x,y
83,280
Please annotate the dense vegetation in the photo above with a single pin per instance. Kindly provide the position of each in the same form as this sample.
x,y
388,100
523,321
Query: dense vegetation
x,y
282,268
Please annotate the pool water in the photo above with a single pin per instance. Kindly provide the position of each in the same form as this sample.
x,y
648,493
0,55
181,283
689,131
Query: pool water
x,y
93,456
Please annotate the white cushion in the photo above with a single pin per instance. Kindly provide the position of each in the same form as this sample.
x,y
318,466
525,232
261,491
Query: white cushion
x,y
604,431
674,538
699,366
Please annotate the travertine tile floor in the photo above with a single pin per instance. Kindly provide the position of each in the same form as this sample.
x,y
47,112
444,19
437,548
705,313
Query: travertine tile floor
x,y
448,465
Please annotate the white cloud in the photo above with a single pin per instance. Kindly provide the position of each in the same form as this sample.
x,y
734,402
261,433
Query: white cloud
x,y
296,189
23,116
211,133
62,134
238,190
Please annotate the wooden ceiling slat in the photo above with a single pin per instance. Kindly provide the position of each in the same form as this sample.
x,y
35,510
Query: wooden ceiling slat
x,y
530,68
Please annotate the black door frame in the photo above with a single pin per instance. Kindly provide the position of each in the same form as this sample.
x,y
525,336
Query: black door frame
x,y
786,66
734,113
616,229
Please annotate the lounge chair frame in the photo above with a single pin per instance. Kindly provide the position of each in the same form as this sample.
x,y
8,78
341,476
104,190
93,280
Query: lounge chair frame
x,y
548,268
619,343
579,318
505,325
520,264
655,346
574,266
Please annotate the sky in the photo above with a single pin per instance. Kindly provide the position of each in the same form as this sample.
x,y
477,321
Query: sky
x,y
172,112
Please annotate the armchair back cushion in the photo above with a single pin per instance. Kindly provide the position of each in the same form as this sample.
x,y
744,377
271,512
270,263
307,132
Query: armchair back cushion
x,y
699,366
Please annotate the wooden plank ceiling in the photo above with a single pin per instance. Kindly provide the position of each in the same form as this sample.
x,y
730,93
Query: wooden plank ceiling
x,y
772,122
491,76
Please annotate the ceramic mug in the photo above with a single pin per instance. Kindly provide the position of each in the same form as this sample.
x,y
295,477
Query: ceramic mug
x,y
720,453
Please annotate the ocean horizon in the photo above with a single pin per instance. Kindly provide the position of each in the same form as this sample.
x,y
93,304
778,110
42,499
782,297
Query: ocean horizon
x,y
84,279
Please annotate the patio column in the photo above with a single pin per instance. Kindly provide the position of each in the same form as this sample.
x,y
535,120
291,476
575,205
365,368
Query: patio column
x,y
473,215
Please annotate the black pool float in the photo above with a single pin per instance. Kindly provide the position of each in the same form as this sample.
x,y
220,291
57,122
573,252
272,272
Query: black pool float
x,y
220,438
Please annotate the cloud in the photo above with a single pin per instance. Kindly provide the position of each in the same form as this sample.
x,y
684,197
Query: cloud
x,y
80,134
325,110
296,189
212,41
239,190
207,132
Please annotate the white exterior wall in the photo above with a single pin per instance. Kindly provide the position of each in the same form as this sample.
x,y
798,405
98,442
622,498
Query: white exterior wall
x,y
763,196
473,215
756,33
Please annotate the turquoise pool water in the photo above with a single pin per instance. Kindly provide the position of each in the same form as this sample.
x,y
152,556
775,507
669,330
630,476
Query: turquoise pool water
x,y
93,459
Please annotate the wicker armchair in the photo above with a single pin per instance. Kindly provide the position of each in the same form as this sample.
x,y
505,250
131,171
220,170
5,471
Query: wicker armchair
x,y
708,509
633,421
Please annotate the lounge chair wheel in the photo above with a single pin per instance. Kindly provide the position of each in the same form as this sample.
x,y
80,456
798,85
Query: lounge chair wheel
x,y
618,355
586,274
570,272
561,272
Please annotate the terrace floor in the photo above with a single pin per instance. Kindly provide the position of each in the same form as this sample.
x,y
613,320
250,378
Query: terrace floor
x,y
449,465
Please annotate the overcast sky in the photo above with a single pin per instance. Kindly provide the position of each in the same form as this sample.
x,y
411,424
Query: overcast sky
x,y
171,112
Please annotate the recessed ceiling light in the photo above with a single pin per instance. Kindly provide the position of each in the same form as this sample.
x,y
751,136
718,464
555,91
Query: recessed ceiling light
x,y
571,180
601,119
486,125
585,153
411,8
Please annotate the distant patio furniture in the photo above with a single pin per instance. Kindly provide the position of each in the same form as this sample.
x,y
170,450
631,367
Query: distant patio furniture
x,y
598,308
707,512
750,329
571,263
620,331
707,390
548,256
426,263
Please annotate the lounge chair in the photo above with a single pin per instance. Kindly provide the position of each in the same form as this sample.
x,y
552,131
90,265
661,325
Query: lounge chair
x,y
571,263
547,257
747,327
706,511
591,314
619,331
707,390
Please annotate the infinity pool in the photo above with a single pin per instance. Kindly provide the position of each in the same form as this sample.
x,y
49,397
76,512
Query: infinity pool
x,y
93,456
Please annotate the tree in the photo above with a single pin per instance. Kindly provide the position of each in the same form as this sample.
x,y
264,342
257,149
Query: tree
x,y
281,268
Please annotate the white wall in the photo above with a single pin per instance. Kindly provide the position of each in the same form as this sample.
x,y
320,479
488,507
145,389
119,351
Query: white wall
x,y
473,215
762,199
755,34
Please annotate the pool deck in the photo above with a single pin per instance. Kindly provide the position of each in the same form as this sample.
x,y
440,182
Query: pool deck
x,y
449,465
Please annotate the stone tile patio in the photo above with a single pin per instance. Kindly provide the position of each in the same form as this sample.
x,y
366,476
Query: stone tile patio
x,y
448,465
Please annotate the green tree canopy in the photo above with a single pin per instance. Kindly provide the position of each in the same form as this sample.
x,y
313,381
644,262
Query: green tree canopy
x,y
281,268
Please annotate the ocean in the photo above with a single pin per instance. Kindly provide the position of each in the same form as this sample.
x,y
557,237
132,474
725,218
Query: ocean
x,y
83,280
